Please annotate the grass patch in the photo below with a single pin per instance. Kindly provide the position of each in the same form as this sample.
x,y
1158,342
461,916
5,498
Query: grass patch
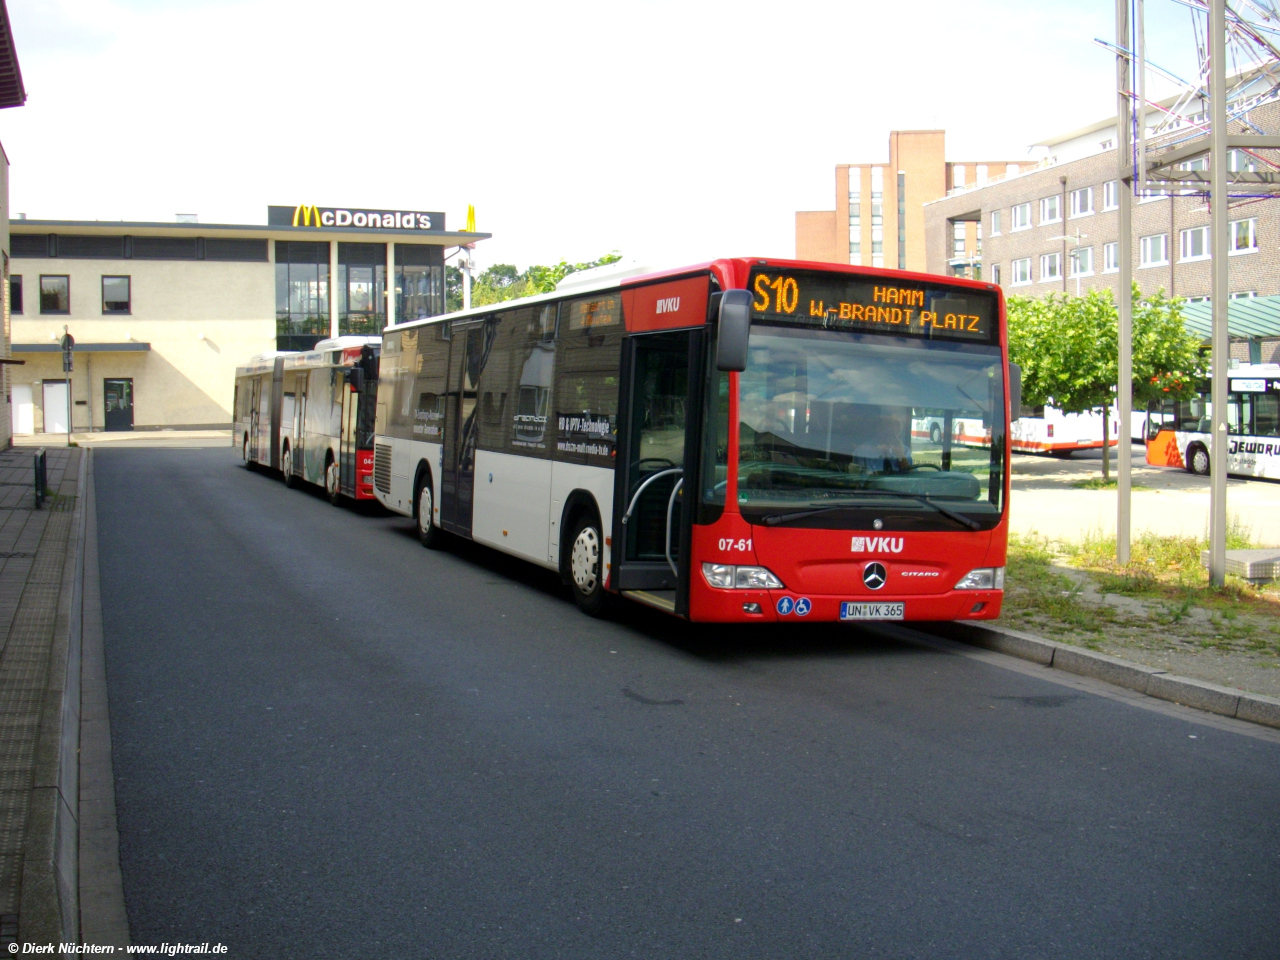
x,y
1097,483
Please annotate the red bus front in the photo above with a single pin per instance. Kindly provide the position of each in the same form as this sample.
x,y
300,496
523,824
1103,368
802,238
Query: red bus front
x,y
820,496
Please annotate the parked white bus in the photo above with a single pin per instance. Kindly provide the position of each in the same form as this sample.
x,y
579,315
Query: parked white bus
x,y
1179,432
311,415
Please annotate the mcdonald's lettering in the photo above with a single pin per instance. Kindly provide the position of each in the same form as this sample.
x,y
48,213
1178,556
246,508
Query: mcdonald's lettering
x,y
310,215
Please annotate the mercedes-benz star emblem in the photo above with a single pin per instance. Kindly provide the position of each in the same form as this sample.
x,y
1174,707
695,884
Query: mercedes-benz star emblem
x,y
873,576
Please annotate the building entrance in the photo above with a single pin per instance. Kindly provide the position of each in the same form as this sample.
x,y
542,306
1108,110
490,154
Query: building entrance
x,y
117,404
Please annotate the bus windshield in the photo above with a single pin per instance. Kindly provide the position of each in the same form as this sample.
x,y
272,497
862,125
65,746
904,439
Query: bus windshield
x,y
850,420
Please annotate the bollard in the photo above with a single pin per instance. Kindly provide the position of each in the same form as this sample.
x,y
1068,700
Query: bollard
x,y
41,477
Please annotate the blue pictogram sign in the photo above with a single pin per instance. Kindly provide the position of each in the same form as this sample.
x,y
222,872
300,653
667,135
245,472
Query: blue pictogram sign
x,y
803,606
785,606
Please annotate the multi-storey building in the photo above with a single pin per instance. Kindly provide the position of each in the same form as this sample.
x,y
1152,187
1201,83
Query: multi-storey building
x,y
12,94
878,220
1053,226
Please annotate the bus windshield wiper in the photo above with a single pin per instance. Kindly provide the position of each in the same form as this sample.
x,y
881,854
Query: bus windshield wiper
x,y
774,519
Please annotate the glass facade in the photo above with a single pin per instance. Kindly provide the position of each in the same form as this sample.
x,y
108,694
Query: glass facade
x,y
302,293
419,281
362,288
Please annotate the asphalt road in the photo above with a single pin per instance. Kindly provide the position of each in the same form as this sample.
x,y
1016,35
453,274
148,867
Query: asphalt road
x,y
329,742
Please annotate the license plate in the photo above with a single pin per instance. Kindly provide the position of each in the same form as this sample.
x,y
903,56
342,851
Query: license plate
x,y
871,611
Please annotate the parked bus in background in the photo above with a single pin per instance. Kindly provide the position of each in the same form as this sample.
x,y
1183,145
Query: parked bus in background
x,y
727,442
318,426
1043,429
1179,432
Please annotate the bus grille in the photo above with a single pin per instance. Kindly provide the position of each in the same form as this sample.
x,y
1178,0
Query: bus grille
x,y
382,467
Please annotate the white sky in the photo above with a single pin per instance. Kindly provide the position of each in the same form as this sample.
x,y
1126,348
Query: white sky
x,y
666,129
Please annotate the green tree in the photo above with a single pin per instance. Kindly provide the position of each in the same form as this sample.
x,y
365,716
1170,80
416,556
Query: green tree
x,y
503,281
1068,350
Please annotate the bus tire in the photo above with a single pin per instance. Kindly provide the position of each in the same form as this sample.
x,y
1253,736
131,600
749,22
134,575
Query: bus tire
x,y
1198,459
332,481
1062,454
429,535
586,559
286,467
935,434
244,452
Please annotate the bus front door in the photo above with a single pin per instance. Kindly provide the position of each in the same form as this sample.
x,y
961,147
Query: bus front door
x,y
652,499
458,472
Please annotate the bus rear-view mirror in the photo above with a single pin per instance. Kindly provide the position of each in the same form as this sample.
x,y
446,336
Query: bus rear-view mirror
x,y
734,330
1015,391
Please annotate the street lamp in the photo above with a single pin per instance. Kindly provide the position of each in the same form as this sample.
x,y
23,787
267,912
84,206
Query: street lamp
x,y
1076,239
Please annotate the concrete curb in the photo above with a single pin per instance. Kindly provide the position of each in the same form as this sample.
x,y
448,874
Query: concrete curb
x,y
1152,681
49,911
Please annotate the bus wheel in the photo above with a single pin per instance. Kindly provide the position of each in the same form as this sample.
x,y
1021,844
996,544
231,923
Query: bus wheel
x,y
286,466
584,567
244,452
332,484
428,533
935,434
1198,460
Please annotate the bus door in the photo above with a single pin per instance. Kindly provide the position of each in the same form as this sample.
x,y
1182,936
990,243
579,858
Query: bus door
x,y
655,487
347,443
458,470
299,423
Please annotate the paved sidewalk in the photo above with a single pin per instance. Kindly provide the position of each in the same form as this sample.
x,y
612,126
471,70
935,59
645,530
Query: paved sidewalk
x,y
34,552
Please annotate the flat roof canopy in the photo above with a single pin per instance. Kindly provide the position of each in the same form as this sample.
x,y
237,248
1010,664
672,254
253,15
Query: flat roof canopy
x,y
132,346
12,92
446,238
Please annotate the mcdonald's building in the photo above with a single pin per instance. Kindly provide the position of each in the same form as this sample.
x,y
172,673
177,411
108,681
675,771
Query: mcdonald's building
x,y
162,313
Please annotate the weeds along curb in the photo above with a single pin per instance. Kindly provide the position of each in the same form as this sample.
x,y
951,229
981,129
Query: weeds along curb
x,y
1151,681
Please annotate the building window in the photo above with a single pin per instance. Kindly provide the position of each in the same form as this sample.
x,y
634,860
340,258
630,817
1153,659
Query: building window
x,y
362,284
877,239
877,260
1193,244
1154,250
1082,202
995,274
1021,217
1051,209
1242,295
1081,262
1240,162
115,295
1199,163
1244,236
957,174
1110,257
1051,267
995,223
55,294
302,288
855,216
419,281
1111,195
1020,272
1197,299
957,238
15,294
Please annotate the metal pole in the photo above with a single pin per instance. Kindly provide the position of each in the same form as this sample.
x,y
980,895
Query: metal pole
x,y
1218,291
1124,296
68,409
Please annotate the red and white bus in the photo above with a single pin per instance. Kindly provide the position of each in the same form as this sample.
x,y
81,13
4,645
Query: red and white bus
x,y
311,415
730,441
1179,432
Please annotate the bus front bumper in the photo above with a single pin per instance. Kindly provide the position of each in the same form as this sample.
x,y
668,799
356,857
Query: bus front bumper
x,y
780,606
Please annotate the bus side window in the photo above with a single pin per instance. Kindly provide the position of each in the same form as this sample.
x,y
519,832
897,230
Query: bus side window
x,y
1266,415
495,381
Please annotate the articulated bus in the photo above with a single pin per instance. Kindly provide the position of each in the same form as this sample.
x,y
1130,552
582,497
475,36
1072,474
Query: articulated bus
x,y
726,442
311,415
1179,432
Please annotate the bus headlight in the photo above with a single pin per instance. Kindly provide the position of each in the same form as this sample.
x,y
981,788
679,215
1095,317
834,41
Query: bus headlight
x,y
984,578
728,577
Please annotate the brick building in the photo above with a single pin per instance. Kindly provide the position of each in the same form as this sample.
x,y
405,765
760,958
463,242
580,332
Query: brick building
x,y
1054,226
879,219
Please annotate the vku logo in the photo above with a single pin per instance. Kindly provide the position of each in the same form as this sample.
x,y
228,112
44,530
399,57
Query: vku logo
x,y
669,305
877,544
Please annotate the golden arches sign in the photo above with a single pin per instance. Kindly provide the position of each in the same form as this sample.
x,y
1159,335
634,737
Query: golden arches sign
x,y
306,216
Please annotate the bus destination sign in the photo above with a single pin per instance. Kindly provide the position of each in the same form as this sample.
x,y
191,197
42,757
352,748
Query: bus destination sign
x,y
871,304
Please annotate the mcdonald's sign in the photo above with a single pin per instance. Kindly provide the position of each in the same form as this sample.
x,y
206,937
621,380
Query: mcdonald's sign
x,y
350,218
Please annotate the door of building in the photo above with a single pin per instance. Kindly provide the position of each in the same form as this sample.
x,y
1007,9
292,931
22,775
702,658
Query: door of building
x,y
659,427
55,406
117,404
24,409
